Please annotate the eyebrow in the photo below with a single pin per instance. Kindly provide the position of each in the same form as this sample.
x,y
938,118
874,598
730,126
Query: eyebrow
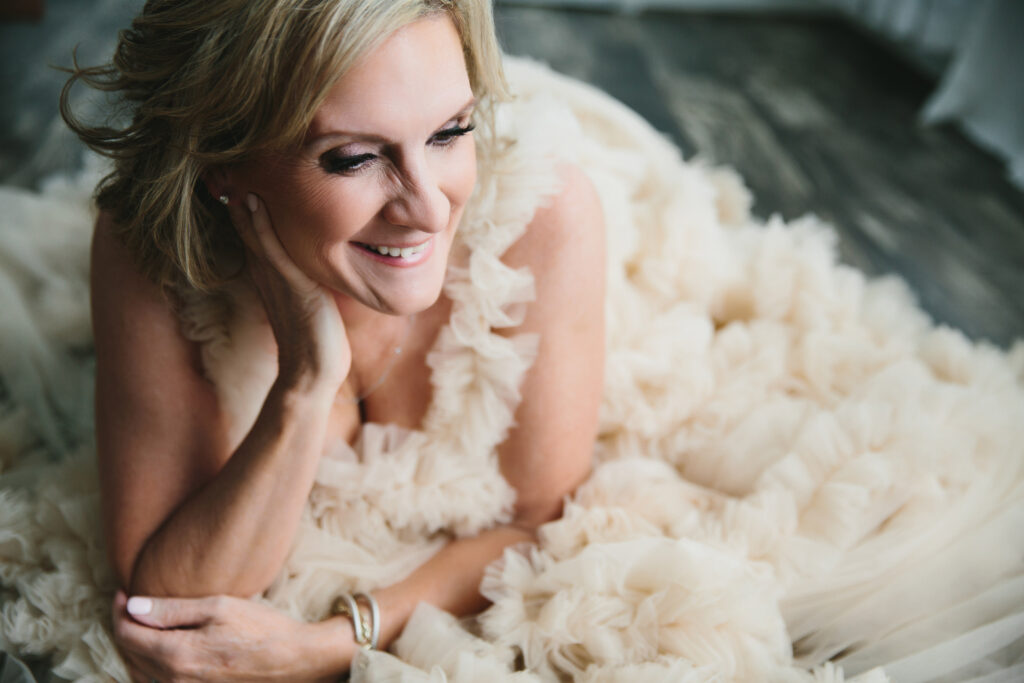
x,y
372,137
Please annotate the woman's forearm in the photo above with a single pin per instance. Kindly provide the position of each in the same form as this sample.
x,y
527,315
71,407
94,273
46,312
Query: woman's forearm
x,y
236,639
233,534
450,580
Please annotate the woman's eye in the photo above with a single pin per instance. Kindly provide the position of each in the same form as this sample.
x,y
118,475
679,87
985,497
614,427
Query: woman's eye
x,y
335,163
448,135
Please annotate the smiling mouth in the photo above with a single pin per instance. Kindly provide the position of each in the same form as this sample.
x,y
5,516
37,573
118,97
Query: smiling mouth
x,y
410,254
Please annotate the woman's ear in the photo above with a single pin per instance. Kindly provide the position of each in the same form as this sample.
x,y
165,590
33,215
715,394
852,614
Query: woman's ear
x,y
217,180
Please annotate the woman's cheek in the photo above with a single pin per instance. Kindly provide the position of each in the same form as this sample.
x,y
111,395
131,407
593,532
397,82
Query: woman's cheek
x,y
464,176
332,212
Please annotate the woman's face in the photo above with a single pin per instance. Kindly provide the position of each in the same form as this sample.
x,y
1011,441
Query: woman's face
x,y
387,165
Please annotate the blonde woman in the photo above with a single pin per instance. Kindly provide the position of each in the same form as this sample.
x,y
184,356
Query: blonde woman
x,y
361,323
329,147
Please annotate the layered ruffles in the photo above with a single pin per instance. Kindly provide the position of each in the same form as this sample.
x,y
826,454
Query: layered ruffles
x,y
798,476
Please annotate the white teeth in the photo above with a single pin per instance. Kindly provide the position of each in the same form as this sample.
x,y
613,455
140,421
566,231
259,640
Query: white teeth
x,y
404,252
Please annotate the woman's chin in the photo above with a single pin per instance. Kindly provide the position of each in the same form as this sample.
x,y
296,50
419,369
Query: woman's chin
x,y
391,301
407,306
379,284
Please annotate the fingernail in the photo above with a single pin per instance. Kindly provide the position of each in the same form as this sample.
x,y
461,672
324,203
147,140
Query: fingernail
x,y
139,606
250,201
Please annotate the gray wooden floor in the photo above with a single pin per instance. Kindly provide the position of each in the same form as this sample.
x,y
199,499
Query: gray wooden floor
x,y
817,116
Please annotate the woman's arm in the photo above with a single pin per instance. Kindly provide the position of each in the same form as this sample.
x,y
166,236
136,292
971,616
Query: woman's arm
x,y
229,639
545,457
184,515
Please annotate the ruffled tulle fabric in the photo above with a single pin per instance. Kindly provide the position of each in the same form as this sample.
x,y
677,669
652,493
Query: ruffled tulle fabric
x,y
798,476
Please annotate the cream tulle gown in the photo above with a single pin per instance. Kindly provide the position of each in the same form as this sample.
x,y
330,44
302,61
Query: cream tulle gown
x,y
798,477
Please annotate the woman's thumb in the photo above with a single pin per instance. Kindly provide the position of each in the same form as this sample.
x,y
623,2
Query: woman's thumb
x,y
169,612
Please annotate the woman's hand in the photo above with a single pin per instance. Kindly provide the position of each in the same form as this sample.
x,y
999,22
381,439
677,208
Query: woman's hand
x,y
222,638
313,348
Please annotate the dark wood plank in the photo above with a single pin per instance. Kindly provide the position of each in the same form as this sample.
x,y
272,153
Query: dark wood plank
x,y
597,47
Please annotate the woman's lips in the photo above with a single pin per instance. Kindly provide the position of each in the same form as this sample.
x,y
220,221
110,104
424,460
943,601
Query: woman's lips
x,y
405,256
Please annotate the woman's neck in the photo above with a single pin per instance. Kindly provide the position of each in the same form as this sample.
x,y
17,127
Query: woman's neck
x,y
362,321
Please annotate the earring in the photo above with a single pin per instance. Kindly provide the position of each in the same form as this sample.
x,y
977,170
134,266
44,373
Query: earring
x,y
223,199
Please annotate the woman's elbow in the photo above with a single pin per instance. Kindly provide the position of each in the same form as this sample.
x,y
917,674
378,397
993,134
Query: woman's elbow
x,y
538,508
150,577
537,505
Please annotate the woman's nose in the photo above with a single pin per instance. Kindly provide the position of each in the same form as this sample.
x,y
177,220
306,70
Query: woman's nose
x,y
418,202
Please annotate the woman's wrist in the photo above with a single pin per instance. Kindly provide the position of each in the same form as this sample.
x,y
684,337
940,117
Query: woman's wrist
x,y
308,367
328,648
305,389
396,604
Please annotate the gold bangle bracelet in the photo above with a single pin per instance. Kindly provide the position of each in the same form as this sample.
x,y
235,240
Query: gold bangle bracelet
x,y
346,606
366,630
374,631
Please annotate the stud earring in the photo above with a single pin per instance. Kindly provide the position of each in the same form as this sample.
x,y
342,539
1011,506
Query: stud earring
x,y
223,199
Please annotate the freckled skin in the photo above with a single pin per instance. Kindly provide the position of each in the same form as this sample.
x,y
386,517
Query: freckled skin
x,y
412,189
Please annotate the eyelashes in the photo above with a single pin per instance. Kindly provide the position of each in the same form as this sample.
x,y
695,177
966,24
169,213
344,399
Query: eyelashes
x,y
448,135
332,162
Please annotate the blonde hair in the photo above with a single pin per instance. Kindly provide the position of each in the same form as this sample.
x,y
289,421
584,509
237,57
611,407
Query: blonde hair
x,y
209,83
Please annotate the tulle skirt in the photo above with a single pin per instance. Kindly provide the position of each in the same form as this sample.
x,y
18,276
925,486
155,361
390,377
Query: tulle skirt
x,y
798,476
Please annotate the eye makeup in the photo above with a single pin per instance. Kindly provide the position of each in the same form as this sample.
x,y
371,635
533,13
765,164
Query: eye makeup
x,y
335,162
448,135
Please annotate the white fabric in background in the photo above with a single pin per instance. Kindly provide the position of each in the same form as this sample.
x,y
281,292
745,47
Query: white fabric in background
x,y
983,89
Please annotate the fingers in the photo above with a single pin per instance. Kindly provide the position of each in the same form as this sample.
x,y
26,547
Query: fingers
x,y
118,612
269,243
137,644
120,599
159,650
253,224
241,218
166,613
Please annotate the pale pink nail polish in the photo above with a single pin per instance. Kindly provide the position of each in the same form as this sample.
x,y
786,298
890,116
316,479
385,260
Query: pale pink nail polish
x,y
139,606
251,202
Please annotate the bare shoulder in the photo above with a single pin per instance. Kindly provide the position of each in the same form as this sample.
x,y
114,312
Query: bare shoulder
x,y
564,244
575,212
132,316
114,275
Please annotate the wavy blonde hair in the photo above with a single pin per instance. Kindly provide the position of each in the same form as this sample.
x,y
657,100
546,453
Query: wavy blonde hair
x,y
210,82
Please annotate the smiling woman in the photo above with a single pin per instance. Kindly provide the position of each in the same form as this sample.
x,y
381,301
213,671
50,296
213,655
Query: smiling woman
x,y
387,166
352,373
343,192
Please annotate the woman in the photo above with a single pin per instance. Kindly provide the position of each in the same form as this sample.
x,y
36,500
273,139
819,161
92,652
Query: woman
x,y
345,170
793,468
